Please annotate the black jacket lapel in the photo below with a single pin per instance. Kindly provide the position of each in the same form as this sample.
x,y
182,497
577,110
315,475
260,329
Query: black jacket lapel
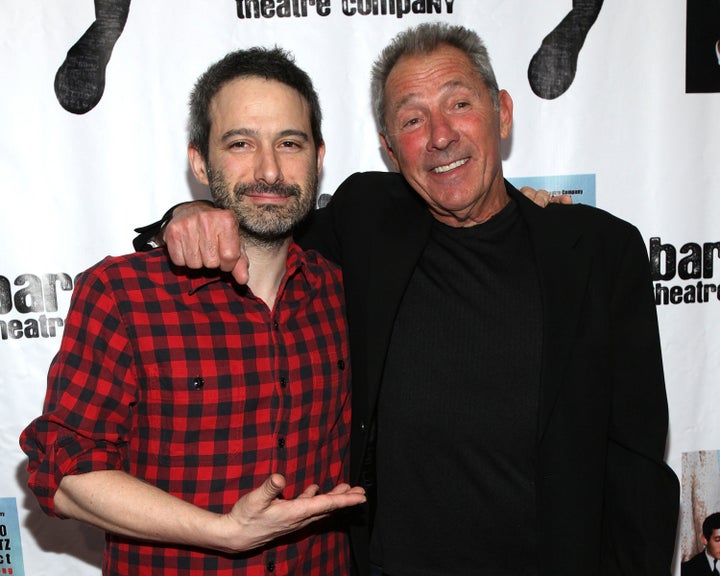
x,y
393,257
563,272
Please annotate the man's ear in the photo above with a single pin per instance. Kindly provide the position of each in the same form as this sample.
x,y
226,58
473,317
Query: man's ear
x,y
198,165
506,113
389,151
320,157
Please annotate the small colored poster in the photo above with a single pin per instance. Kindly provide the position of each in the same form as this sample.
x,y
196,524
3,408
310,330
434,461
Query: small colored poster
x,y
581,187
11,556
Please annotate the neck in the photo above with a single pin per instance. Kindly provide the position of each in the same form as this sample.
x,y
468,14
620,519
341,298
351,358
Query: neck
x,y
266,263
476,214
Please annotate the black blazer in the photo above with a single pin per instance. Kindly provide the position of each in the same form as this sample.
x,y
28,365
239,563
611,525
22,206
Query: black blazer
x,y
606,501
697,566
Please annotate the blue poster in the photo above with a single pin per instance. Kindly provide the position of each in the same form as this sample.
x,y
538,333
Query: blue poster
x,y
11,556
581,187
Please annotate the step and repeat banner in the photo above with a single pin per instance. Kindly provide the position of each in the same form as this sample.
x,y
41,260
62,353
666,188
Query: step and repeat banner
x,y
616,103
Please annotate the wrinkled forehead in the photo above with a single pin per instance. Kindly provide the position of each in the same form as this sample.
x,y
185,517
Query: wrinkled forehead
x,y
419,76
444,61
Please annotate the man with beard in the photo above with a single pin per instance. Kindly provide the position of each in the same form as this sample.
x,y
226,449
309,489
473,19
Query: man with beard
x,y
202,424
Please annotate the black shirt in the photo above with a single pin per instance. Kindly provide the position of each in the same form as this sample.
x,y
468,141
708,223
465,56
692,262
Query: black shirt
x,y
457,414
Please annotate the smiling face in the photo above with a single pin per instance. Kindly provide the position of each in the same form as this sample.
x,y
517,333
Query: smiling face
x,y
444,133
262,161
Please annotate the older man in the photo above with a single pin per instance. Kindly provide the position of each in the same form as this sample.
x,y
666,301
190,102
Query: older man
x,y
509,410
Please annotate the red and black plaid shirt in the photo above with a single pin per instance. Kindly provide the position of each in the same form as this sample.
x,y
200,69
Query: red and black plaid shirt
x,y
193,385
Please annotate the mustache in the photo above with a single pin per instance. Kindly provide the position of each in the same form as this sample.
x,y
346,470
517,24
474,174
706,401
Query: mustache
x,y
278,189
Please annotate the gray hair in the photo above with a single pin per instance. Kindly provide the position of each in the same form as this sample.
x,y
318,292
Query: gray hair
x,y
423,39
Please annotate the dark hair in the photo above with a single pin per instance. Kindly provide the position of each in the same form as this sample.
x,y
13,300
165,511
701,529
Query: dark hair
x,y
269,63
423,39
711,523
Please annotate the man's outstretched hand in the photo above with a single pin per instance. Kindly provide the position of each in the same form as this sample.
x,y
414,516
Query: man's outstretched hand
x,y
263,515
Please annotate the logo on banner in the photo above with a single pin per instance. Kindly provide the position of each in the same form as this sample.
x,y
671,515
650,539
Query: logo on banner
x,y
80,80
684,275
301,8
29,305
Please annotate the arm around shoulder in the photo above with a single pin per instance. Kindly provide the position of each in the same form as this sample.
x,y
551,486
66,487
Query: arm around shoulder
x,y
151,235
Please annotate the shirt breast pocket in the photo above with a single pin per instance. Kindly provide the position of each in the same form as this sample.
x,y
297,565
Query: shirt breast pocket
x,y
195,414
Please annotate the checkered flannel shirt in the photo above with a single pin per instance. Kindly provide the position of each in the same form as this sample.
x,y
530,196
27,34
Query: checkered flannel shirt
x,y
192,384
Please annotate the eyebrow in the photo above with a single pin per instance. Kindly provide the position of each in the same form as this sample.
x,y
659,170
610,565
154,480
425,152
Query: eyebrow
x,y
255,133
447,87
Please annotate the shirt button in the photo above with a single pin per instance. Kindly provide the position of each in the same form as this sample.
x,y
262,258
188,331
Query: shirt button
x,y
341,364
276,325
283,381
281,442
198,383
271,566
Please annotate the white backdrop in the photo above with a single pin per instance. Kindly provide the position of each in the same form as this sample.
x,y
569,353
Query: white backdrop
x,y
73,186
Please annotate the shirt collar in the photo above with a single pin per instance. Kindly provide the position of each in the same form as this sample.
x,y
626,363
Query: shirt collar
x,y
711,560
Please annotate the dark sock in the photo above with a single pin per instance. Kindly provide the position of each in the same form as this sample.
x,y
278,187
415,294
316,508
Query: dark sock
x,y
552,68
80,80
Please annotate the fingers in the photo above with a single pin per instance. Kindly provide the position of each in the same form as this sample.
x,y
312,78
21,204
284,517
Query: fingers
x,y
207,239
310,491
314,503
561,199
241,270
347,489
221,243
542,197
188,243
335,501
312,508
342,488
273,486
310,505
261,498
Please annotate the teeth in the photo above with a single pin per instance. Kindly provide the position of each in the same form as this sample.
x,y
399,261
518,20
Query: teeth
x,y
448,167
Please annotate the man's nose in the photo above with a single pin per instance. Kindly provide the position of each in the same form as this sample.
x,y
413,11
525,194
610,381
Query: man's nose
x,y
442,132
267,168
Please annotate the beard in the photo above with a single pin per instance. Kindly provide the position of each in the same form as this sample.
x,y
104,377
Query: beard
x,y
266,224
